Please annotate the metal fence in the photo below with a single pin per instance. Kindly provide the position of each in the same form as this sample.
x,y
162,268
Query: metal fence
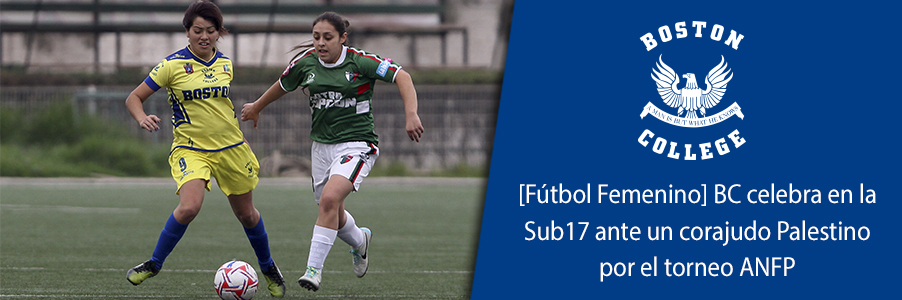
x,y
105,35
459,122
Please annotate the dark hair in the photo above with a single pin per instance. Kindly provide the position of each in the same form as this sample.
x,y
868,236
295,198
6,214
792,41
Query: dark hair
x,y
207,10
341,25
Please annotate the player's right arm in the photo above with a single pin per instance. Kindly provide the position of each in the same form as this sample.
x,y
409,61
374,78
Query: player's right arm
x,y
289,81
158,77
251,111
135,105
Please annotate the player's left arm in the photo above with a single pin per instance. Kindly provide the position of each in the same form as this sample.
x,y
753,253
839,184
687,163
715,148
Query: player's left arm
x,y
409,96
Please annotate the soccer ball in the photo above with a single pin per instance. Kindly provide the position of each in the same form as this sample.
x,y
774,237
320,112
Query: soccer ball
x,y
236,280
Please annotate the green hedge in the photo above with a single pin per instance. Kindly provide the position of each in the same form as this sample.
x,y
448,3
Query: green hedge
x,y
246,75
55,143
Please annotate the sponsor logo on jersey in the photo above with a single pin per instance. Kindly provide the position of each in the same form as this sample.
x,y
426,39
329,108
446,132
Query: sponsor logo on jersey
x,y
189,68
310,78
383,67
331,99
250,169
688,104
157,69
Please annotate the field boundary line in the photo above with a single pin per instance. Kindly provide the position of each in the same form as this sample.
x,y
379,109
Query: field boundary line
x,y
265,181
214,271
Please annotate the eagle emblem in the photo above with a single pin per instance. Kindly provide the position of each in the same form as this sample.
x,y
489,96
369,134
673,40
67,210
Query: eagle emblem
x,y
691,98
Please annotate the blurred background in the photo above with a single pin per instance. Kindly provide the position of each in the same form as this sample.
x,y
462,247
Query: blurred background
x,y
68,65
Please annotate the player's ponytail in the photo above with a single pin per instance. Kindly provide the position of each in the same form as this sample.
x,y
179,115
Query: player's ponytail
x,y
301,48
341,26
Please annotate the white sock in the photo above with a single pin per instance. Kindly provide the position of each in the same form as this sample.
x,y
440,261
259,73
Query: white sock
x,y
320,245
350,233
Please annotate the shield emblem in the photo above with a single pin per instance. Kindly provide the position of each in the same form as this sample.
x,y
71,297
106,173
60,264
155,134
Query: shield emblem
x,y
351,77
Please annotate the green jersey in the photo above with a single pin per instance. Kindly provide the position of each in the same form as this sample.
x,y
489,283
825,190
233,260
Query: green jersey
x,y
341,93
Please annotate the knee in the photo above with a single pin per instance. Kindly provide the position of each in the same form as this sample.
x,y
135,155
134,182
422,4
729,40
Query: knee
x,y
185,214
329,204
248,218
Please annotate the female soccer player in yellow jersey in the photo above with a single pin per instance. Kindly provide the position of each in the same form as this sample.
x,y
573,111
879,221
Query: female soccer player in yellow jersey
x,y
207,140
340,80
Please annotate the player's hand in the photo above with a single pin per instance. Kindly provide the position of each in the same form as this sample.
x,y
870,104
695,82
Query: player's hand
x,y
249,113
414,127
150,123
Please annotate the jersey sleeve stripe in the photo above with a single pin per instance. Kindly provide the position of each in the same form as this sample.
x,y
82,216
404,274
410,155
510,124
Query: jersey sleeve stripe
x,y
291,65
363,54
395,75
304,54
152,84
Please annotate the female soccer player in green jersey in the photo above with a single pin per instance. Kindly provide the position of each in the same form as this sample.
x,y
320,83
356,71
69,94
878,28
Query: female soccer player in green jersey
x,y
340,81
207,140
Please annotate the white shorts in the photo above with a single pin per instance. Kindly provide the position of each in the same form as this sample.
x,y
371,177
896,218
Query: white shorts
x,y
352,160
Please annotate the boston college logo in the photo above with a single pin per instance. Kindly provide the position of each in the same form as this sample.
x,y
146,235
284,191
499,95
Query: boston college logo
x,y
692,103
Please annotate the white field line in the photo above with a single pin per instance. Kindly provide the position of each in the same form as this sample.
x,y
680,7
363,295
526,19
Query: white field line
x,y
87,296
213,271
266,181
70,209
65,296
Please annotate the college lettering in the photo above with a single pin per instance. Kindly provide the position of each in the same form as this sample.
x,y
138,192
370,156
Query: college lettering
x,y
206,93
717,34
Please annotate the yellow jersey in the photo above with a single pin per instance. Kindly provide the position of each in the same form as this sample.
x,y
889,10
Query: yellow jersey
x,y
203,117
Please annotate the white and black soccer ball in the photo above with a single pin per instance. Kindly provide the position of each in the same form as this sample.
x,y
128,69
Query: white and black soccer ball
x,y
236,280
